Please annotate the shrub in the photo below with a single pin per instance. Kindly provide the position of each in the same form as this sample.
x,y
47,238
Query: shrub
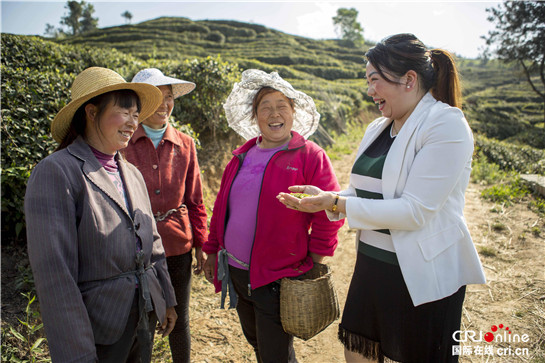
x,y
196,28
511,157
329,73
215,36
202,109
232,31
506,193
36,79
236,24
245,33
485,172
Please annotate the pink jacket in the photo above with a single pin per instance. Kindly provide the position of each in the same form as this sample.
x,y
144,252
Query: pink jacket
x,y
283,237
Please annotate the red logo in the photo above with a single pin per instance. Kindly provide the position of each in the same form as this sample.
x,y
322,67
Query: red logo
x,y
489,337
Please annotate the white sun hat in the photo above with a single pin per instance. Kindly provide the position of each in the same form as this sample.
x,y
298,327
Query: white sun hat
x,y
238,107
155,77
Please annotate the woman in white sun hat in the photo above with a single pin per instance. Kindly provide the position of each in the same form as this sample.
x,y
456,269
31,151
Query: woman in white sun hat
x,y
98,262
254,240
167,159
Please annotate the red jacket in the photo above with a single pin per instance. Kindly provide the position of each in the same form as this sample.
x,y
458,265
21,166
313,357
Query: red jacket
x,y
282,239
173,178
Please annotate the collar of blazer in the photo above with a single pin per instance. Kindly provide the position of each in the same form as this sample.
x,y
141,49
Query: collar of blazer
x,y
94,171
394,159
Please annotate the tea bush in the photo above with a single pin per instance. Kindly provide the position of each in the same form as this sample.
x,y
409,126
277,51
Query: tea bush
x,y
513,157
37,74
216,36
36,80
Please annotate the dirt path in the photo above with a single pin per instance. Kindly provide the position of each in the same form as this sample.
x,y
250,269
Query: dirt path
x,y
514,295
511,245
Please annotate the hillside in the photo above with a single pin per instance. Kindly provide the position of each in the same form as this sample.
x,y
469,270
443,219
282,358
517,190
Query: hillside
x,y
498,101
326,69
165,37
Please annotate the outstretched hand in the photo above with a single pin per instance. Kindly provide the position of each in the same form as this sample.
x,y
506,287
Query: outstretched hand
x,y
317,201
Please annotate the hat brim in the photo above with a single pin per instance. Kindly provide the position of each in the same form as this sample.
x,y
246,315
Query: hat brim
x,y
179,86
150,99
238,106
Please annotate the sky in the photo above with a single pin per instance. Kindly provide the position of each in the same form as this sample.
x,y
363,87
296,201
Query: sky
x,y
453,25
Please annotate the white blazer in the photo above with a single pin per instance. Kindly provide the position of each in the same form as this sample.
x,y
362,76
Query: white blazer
x,y
425,175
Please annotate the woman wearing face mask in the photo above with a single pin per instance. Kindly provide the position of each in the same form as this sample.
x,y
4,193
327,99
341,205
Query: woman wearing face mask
x,y
98,262
406,199
254,241
167,159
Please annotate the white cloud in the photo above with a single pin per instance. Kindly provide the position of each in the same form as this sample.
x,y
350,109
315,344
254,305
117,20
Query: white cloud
x,y
318,24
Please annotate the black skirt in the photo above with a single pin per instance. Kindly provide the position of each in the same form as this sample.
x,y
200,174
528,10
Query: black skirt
x,y
380,321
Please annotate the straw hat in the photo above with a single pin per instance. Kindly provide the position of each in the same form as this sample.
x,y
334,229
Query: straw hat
x,y
238,107
157,78
95,81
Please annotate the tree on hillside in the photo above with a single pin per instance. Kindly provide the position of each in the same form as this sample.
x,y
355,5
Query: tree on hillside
x,y
128,16
79,19
520,36
347,26
88,23
51,31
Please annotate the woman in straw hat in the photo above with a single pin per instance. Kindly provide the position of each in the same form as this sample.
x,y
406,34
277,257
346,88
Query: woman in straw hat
x,y
98,262
167,158
253,238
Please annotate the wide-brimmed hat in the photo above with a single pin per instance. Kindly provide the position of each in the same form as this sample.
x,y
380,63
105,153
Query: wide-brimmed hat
x,y
157,78
95,81
238,107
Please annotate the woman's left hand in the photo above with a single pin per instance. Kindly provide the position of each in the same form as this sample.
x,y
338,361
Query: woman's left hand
x,y
170,321
318,201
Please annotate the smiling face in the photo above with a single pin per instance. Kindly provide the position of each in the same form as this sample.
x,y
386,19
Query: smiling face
x,y
160,118
393,98
112,129
275,119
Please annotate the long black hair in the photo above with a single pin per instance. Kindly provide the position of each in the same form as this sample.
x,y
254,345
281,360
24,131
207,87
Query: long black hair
x,y
400,53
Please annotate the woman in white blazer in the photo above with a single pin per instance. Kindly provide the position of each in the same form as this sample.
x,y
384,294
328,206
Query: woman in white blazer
x,y
406,199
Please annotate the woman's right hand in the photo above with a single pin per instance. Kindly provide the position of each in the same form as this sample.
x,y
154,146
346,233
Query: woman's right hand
x,y
210,267
307,189
316,202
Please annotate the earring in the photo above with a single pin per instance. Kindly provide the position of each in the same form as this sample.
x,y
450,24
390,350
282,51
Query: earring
x,y
408,86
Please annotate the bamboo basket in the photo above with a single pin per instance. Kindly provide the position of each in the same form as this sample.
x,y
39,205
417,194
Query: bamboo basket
x,y
309,304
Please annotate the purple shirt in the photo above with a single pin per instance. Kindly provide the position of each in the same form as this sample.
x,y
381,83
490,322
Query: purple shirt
x,y
109,164
243,200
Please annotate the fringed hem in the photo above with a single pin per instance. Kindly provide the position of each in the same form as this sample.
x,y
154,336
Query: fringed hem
x,y
362,345
358,344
